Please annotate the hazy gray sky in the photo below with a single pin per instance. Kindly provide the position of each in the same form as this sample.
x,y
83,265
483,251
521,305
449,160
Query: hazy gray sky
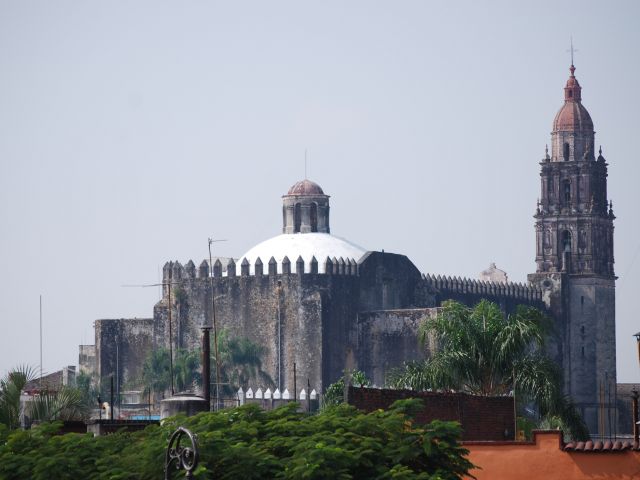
x,y
131,131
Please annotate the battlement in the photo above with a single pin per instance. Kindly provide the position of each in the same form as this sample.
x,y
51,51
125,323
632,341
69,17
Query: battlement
x,y
458,285
175,271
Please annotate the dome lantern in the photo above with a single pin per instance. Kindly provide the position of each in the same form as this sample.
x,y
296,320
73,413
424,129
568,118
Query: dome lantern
x,y
305,209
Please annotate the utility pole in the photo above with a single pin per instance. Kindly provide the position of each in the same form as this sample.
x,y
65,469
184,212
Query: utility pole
x,y
170,338
215,326
41,343
206,366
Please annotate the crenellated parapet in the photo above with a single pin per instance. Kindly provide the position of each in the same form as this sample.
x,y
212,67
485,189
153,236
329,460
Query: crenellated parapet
x,y
174,271
465,286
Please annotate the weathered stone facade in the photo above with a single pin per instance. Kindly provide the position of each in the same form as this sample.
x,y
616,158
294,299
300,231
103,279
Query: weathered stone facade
x,y
361,315
574,258
326,305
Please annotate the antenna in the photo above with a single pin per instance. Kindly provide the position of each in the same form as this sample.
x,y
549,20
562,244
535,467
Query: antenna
x,y
40,342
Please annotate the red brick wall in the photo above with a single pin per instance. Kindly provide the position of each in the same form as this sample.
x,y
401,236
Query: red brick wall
x,y
482,418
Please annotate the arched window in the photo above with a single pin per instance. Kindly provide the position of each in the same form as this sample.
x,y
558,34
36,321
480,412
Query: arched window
x,y
284,216
566,150
570,93
297,218
566,241
566,188
314,217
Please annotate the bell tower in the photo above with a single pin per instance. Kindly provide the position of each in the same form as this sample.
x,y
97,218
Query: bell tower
x,y
574,257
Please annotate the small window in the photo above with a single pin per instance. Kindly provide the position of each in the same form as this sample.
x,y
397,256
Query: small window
x,y
582,329
583,352
314,217
566,150
566,185
570,93
566,241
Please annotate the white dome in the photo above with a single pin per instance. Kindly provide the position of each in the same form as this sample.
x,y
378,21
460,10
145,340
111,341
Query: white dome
x,y
306,245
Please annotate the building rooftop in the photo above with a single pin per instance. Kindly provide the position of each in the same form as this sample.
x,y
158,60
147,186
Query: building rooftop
x,y
305,245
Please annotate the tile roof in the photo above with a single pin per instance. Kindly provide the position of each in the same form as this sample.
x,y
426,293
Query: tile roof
x,y
598,446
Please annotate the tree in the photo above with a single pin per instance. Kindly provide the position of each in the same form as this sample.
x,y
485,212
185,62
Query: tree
x,y
64,403
67,403
11,386
186,369
334,394
484,352
240,363
86,385
156,370
248,442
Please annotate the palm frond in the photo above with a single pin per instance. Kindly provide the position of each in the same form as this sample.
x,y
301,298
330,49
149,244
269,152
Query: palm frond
x,y
65,404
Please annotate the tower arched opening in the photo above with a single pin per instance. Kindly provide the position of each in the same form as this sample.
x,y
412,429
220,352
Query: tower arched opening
x,y
297,218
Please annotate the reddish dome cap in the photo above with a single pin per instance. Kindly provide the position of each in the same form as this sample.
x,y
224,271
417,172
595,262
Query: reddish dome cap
x,y
573,117
305,187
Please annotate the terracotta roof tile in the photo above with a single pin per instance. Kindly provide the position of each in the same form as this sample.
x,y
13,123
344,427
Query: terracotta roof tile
x,y
603,447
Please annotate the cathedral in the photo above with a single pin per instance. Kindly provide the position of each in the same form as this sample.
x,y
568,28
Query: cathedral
x,y
323,304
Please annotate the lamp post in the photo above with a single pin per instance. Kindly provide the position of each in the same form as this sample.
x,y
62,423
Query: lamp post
x,y
637,335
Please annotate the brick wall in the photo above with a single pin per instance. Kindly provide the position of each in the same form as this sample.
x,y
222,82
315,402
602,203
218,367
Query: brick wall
x,y
482,418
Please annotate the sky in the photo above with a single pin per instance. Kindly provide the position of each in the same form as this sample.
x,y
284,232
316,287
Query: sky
x,y
131,131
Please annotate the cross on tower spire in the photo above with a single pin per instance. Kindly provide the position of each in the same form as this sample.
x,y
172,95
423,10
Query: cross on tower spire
x,y
572,50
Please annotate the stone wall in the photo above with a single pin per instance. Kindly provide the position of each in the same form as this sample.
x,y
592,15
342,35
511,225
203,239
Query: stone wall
x,y
482,418
294,317
387,339
121,346
87,359
361,315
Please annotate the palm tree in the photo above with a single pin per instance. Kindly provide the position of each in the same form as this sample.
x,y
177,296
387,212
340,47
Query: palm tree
x,y
156,376
240,363
64,404
11,386
187,369
483,352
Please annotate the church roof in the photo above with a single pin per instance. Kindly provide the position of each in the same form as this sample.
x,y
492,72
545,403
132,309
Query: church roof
x,y
572,116
305,245
305,187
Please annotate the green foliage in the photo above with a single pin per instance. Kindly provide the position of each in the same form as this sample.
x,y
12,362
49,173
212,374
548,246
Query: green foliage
x,y
248,443
11,385
156,376
335,392
156,370
483,352
64,404
88,391
240,364
526,425
186,368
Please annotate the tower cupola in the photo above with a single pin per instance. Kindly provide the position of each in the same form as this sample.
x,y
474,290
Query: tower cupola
x,y
572,135
305,209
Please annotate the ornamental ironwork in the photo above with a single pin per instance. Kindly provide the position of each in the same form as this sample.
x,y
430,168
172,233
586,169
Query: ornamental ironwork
x,y
181,457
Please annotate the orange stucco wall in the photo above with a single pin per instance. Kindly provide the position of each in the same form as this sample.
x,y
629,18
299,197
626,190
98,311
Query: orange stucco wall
x,y
544,459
